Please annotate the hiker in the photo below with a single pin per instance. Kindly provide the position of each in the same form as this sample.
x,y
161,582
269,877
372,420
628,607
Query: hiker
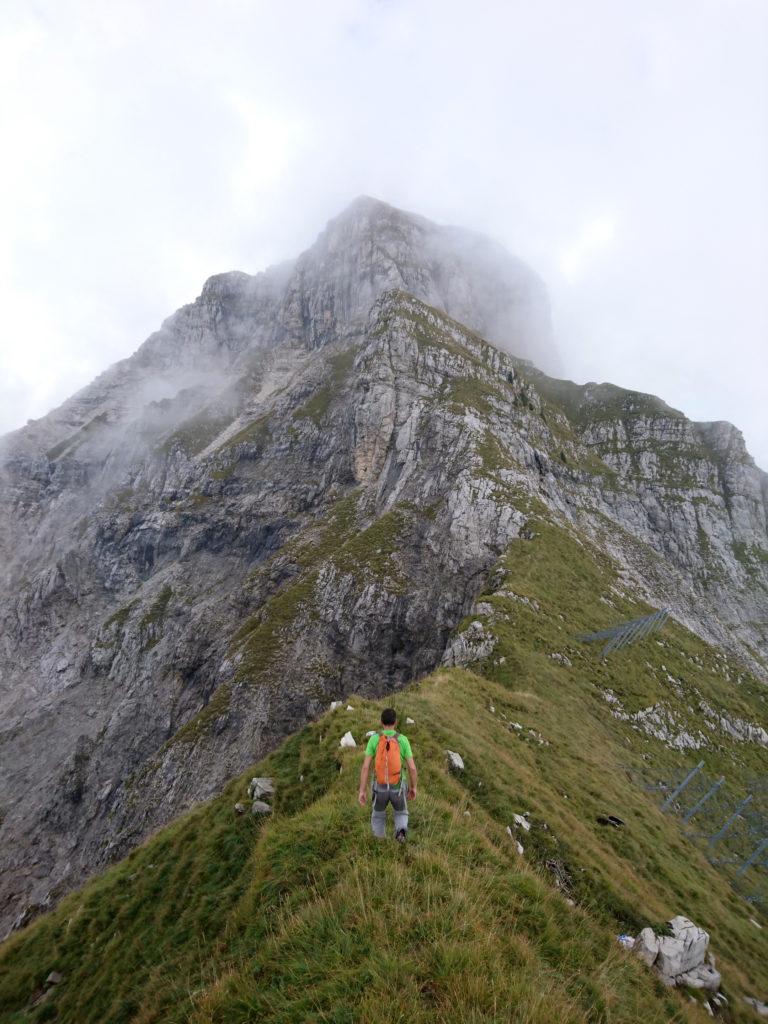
x,y
390,748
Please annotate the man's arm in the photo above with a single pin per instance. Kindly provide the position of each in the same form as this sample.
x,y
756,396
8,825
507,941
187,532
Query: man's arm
x,y
413,778
362,795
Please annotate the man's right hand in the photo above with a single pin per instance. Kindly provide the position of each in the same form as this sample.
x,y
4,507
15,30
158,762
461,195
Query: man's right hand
x,y
362,798
412,793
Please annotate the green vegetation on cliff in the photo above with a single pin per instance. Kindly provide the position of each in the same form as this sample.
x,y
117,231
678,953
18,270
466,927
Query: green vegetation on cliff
x,y
316,407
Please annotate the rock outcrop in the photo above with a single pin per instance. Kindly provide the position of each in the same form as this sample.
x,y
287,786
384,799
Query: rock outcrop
x,y
295,491
680,958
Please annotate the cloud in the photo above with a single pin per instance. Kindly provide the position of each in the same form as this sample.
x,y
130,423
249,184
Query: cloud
x,y
147,146
273,142
596,236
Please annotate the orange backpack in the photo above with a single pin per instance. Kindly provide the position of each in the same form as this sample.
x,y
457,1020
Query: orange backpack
x,y
388,764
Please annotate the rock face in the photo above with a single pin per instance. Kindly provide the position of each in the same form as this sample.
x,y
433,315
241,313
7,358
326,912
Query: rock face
x,y
294,491
680,958
473,644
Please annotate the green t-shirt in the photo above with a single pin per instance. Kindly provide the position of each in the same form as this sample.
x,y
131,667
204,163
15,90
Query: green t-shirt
x,y
403,742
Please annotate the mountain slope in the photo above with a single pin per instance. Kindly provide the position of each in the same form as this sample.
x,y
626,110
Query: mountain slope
x,y
303,916
296,491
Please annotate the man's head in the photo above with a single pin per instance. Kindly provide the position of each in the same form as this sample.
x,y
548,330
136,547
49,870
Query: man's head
x,y
388,717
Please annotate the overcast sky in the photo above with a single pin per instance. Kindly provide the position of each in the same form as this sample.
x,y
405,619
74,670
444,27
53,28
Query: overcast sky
x,y
620,148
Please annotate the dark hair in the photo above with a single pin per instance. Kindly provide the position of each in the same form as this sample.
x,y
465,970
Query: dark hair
x,y
388,716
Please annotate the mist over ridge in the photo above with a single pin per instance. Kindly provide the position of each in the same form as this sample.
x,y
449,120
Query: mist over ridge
x,y
469,275
322,295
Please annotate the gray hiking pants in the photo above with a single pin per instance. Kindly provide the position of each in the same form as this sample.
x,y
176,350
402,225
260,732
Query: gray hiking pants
x,y
383,795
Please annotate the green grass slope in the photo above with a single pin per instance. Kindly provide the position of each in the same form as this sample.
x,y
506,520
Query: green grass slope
x,y
305,917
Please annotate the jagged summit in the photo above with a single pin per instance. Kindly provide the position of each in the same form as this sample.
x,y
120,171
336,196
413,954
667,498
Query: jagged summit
x,y
366,216
374,209
322,296
371,247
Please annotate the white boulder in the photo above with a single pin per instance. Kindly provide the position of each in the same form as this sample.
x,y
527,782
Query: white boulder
x,y
260,787
522,822
704,976
347,740
647,946
680,958
259,807
683,950
335,704
455,761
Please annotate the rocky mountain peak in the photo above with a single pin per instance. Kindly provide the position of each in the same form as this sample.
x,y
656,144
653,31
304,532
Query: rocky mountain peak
x,y
367,217
372,247
297,489
321,297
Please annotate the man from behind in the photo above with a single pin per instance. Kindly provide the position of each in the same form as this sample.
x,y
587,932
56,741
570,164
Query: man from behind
x,y
390,750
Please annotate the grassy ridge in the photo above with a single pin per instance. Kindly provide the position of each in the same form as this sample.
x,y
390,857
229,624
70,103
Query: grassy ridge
x,y
305,917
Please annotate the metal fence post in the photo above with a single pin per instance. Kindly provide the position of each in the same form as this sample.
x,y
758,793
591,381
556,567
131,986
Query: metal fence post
x,y
729,821
762,845
700,803
676,792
